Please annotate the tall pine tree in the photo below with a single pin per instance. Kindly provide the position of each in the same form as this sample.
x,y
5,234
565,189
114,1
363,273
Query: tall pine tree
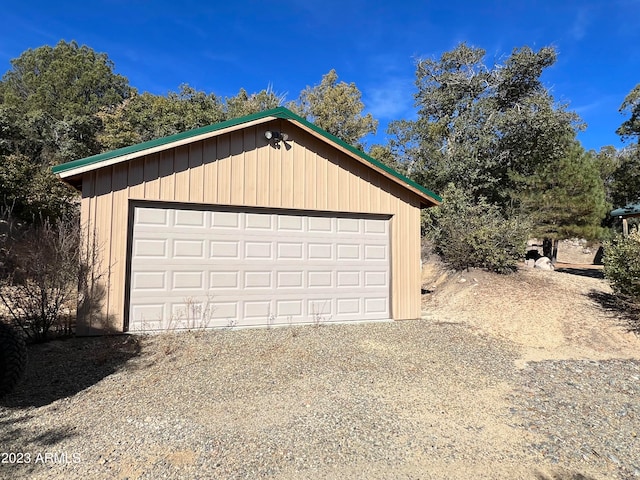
x,y
565,199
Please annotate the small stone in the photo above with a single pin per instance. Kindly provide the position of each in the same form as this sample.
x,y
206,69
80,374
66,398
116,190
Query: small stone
x,y
613,458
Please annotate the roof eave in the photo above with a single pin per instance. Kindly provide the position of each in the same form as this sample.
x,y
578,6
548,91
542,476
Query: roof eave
x,y
68,170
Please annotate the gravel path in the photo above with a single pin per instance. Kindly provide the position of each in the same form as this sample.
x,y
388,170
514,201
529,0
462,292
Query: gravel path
x,y
408,400
586,411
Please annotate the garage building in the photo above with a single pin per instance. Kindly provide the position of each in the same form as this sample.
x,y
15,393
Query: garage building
x,y
258,221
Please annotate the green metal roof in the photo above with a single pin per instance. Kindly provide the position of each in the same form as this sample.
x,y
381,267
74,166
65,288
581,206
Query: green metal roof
x,y
280,112
632,209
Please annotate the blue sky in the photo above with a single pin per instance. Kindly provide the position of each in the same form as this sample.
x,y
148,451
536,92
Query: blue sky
x,y
222,46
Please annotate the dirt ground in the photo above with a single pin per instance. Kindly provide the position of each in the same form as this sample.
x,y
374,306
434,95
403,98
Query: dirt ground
x,y
566,314
433,399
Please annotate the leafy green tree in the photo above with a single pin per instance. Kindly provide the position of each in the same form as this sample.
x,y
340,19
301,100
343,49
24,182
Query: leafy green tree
x,y
336,108
566,199
481,127
623,179
146,116
631,127
244,104
622,265
468,232
621,174
49,100
384,155
31,193
498,133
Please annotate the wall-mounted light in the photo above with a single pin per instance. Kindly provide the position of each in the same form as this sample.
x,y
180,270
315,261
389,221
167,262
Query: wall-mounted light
x,y
275,137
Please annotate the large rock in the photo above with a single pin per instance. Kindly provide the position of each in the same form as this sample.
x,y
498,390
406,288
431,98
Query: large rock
x,y
543,263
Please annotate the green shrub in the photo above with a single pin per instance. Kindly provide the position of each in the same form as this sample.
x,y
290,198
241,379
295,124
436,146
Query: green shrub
x,y
622,265
469,232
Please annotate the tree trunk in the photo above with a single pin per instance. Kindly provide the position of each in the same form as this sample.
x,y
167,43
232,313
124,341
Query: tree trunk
x,y
550,249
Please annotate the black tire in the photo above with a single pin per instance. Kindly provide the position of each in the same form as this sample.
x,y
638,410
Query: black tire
x,y
13,358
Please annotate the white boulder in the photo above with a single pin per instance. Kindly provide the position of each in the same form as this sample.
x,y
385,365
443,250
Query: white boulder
x,y
543,263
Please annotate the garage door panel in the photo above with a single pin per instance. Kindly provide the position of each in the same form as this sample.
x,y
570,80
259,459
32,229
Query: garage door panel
x,y
289,279
258,279
149,317
349,306
225,220
256,221
348,278
320,279
143,280
289,308
320,251
224,279
375,305
188,280
222,268
320,224
290,223
290,250
261,309
375,252
258,250
224,249
375,227
188,249
348,251
348,225
149,247
152,216
190,218
375,279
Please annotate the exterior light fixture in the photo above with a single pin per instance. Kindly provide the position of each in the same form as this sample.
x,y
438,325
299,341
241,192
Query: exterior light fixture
x,y
275,137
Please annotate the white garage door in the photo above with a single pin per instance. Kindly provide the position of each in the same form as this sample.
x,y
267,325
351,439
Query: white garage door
x,y
195,268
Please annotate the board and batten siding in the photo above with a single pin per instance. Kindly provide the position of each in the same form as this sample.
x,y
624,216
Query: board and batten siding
x,y
241,169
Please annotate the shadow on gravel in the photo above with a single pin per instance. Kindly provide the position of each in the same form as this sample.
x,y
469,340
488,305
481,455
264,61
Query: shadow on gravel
x,y
627,312
62,368
583,272
562,476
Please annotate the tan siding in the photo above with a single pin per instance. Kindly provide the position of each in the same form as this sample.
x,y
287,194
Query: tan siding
x,y
309,180
342,186
332,184
167,176
224,171
365,190
241,168
151,178
237,168
354,187
250,167
275,185
374,192
286,172
298,177
385,197
181,165
210,171
118,246
264,175
321,181
103,230
196,173
136,178
86,321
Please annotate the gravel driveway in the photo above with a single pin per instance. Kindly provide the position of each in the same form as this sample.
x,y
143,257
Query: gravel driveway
x,y
407,400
